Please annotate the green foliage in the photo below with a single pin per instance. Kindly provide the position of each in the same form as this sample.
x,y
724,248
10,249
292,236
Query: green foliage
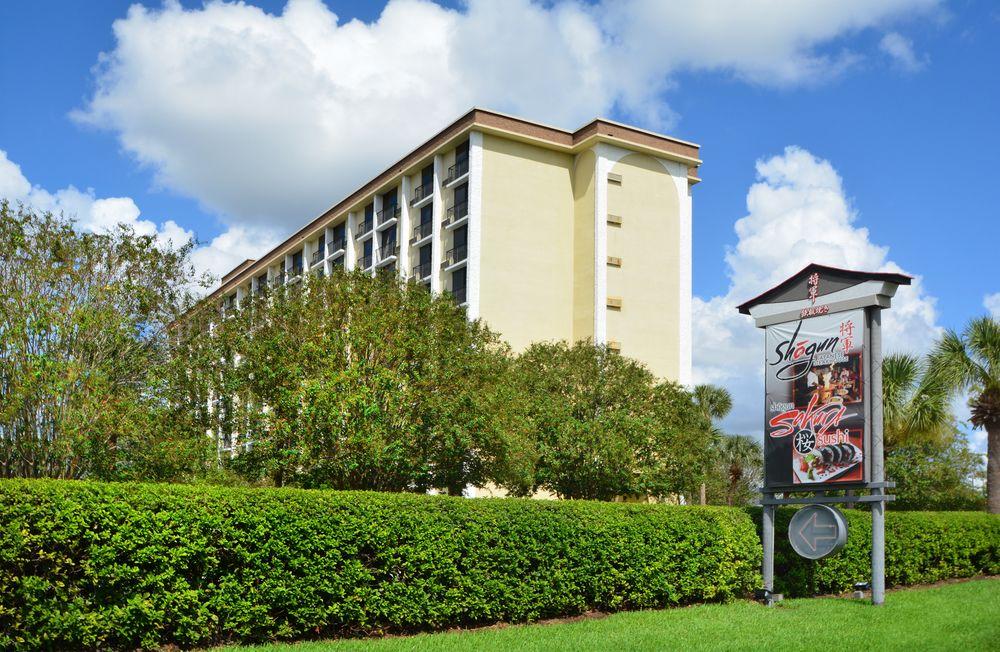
x,y
98,565
936,476
736,472
350,382
83,329
971,362
604,428
916,404
920,547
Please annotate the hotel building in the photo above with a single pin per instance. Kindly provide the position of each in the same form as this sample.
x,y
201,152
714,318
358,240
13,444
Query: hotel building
x,y
545,234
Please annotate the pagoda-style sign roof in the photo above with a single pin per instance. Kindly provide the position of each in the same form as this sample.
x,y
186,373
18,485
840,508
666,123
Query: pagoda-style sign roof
x,y
818,289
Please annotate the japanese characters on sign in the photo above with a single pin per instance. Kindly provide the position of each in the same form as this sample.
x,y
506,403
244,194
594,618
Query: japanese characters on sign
x,y
814,405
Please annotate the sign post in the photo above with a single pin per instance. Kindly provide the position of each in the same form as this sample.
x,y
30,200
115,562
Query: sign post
x,y
823,408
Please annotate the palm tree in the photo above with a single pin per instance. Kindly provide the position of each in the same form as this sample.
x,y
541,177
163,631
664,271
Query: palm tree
x,y
971,362
743,460
716,403
916,404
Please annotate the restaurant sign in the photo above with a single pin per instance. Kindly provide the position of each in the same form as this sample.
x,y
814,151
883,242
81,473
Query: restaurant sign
x,y
815,430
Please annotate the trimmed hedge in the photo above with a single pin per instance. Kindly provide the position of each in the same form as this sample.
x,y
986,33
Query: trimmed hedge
x,y
91,565
920,547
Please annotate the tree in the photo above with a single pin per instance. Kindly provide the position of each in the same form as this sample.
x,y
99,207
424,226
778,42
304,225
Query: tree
x,y
916,405
353,382
936,475
741,461
83,329
604,427
971,362
715,402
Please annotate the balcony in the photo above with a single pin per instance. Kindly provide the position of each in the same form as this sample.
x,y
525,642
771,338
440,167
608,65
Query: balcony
x,y
455,257
456,215
365,262
296,270
388,216
365,227
278,281
421,232
387,253
420,193
422,272
337,246
457,171
317,256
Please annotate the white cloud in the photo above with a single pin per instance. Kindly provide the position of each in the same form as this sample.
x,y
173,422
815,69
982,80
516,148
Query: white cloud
x,y
100,214
269,119
798,212
992,304
900,50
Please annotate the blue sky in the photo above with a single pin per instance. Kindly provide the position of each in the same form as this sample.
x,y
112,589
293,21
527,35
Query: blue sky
x,y
892,105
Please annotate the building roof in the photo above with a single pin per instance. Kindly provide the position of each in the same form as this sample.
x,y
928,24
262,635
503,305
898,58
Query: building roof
x,y
853,275
597,130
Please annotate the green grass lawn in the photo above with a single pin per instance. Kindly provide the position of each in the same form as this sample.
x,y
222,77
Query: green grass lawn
x,y
963,616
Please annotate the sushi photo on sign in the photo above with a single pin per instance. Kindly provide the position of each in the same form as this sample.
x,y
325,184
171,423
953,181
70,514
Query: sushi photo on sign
x,y
815,418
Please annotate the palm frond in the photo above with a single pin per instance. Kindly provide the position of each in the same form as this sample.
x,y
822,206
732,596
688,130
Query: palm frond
x,y
983,338
716,402
949,363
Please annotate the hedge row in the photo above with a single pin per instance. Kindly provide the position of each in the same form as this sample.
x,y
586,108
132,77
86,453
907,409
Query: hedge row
x,y
88,565
920,547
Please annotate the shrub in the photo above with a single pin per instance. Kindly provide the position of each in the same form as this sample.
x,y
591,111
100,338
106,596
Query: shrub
x,y
920,547
90,565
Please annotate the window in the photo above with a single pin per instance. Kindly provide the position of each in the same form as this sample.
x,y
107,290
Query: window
x,y
423,268
461,162
426,214
297,263
366,259
262,283
460,207
339,238
388,242
458,285
426,187
320,249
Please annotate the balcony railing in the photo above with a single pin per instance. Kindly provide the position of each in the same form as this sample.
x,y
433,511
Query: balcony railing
x,y
317,256
337,245
457,212
366,226
278,281
421,231
387,250
455,255
296,270
460,168
422,271
387,214
422,192
365,261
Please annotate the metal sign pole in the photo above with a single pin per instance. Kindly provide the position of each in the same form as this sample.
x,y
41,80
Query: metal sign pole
x,y
877,462
767,535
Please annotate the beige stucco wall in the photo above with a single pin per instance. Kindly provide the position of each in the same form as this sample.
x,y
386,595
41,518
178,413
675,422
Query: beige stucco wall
x,y
526,284
648,242
584,171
